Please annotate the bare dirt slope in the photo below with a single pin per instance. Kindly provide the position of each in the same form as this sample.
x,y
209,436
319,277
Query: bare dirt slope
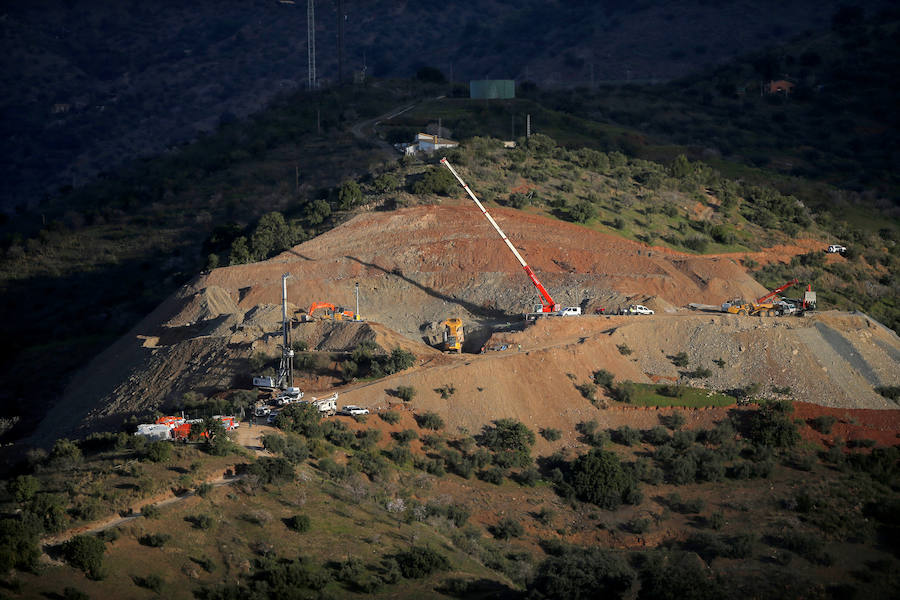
x,y
431,262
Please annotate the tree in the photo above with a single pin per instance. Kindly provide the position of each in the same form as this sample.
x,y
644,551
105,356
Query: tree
x,y
600,478
419,561
271,235
508,434
582,212
681,167
771,425
159,451
317,211
436,180
583,573
349,195
240,252
24,487
85,552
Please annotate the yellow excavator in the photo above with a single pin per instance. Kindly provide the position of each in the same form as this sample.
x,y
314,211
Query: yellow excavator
x,y
446,335
765,306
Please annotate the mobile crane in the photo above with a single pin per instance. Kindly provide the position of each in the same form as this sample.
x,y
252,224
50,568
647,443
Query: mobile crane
x,y
763,306
548,304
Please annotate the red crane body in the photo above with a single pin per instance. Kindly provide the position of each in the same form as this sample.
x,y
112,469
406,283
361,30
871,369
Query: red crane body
x,y
548,304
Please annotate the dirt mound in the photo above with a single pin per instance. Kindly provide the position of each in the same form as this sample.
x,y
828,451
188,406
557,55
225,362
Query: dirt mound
x,y
428,263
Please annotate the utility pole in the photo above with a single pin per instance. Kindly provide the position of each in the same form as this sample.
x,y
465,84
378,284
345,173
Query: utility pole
x,y
340,42
357,300
527,126
311,42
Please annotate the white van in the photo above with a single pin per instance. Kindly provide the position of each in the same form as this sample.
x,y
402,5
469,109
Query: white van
x,y
570,311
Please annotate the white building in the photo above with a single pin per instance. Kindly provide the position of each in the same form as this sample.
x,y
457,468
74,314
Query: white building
x,y
427,143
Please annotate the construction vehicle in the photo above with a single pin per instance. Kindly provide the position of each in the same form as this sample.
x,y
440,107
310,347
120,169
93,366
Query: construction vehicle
x,y
763,306
326,406
548,304
446,335
335,313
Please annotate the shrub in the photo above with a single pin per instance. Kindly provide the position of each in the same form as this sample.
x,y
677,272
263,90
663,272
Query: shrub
x,y
603,378
420,561
657,436
391,417
551,435
624,350
158,452
405,436
624,392
406,392
626,436
772,426
494,475
24,487
150,511
400,455
272,470
19,543
151,582
85,552
680,359
446,390
508,434
588,390
673,421
599,477
823,423
507,528
582,574
299,523
154,540
436,180
430,420
203,522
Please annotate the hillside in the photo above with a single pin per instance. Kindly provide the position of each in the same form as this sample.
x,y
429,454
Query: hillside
x,y
92,86
428,263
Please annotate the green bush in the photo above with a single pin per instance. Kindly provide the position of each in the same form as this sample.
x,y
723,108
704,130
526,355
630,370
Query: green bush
x,y
406,392
772,426
600,478
299,523
626,436
551,435
603,378
151,582
24,487
405,436
151,511
85,552
588,390
154,540
437,180
158,452
19,544
272,470
823,423
574,573
430,420
391,417
419,561
507,528
680,359
507,434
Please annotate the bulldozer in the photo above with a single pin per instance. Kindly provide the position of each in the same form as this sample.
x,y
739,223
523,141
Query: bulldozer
x,y
446,335
335,313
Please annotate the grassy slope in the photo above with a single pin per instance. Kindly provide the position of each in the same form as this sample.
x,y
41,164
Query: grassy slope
x,y
350,519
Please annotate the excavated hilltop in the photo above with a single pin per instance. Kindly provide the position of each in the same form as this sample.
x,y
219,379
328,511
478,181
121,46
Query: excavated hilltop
x,y
427,263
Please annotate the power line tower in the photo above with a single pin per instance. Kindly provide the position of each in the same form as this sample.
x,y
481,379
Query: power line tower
x,y
311,41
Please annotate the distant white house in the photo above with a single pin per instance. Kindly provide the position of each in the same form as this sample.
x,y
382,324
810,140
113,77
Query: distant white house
x,y
427,143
